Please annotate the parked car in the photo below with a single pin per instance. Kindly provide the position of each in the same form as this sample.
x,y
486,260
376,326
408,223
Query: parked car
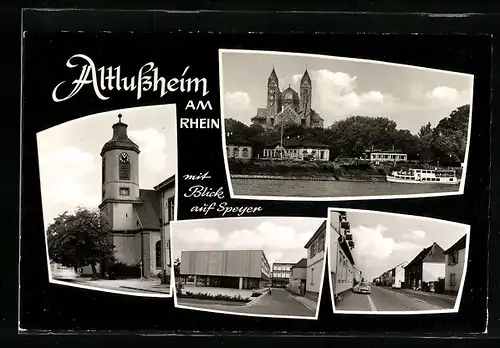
x,y
59,272
362,288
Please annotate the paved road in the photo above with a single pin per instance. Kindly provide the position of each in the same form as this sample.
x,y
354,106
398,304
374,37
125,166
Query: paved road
x,y
387,299
279,302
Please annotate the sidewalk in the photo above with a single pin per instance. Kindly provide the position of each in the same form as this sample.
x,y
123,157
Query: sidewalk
x,y
425,293
130,284
306,302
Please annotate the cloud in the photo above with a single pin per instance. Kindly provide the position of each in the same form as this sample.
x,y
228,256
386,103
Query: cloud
x,y
443,93
63,174
336,95
153,159
237,101
372,244
274,257
199,235
267,235
415,235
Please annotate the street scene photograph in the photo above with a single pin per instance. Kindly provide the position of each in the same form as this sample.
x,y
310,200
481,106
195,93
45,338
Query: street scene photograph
x,y
107,187
300,126
253,266
382,263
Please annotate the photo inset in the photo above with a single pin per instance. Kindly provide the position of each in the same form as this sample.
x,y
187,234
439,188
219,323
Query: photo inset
x,y
254,266
310,127
382,263
108,194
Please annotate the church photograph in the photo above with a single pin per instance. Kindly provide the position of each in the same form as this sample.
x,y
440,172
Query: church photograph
x,y
108,194
304,126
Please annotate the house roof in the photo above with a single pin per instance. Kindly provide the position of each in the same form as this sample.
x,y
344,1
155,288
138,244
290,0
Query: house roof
x,y
298,143
320,229
149,211
167,183
460,244
301,264
433,253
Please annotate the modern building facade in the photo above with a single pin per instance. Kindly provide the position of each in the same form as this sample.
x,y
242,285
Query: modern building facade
x,y
281,274
297,281
426,270
297,149
385,156
454,266
238,269
288,107
315,262
136,216
344,274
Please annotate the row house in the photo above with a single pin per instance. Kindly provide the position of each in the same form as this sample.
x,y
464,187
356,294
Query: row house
x,y
426,270
315,262
298,278
455,263
344,274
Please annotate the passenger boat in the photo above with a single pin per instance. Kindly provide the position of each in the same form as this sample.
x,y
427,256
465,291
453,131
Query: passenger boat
x,y
424,176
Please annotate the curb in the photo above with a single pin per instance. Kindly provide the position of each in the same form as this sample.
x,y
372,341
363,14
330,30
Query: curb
x,y
146,290
264,293
302,303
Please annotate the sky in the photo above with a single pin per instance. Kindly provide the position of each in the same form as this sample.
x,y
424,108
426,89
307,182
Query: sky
x,y
70,161
407,95
281,238
383,241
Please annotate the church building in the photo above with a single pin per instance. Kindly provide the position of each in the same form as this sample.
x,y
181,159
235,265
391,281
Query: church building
x,y
288,106
139,218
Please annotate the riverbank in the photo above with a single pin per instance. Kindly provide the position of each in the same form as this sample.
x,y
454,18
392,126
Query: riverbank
x,y
303,170
308,178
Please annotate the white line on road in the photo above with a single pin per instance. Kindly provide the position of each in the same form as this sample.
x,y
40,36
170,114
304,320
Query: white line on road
x,y
372,305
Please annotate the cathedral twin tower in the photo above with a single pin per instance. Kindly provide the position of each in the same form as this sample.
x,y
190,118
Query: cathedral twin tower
x,y
288,107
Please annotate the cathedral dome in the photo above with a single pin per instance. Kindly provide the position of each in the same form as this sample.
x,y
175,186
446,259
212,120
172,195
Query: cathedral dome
x,y
290,94
120,139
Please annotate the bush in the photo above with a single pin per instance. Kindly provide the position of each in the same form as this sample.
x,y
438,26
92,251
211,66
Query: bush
x,y
256,294
120,270
207,296
178,289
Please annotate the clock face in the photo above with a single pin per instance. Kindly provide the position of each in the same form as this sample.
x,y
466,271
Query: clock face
x,y
124,157
271,97
271,103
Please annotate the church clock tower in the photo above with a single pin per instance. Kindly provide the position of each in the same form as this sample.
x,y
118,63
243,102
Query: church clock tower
x,y
120,179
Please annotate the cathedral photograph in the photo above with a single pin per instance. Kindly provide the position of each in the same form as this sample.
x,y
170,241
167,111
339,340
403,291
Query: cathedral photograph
x,y
302,126
108,194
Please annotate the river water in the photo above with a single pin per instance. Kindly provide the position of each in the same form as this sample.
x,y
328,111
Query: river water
x,y
308,188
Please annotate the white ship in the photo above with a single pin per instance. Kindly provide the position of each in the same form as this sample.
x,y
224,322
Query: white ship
x,y
424,176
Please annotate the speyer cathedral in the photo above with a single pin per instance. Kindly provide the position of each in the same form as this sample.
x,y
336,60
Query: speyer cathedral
x,y
288,106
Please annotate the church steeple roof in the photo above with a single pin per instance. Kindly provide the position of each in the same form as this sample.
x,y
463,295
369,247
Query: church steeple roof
x,y
273,75
305,78
120,139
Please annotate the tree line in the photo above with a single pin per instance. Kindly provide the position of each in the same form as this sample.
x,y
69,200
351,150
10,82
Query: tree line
x,y
351,137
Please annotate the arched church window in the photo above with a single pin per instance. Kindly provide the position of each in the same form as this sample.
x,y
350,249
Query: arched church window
x,y
124,166
158,254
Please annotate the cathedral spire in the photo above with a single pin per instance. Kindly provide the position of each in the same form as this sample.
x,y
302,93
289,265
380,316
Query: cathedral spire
x,y
273,75
305,77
